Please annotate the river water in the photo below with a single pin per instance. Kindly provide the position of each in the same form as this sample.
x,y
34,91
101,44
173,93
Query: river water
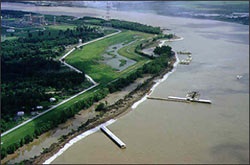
x,y
172,132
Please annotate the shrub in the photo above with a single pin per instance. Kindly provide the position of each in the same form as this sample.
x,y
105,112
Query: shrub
x,y
101,107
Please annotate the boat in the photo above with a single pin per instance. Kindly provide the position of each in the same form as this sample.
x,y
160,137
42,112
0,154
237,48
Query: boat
x,y
194,95
239,77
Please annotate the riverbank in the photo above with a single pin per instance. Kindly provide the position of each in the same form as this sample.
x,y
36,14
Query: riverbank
x,y
187,133
114,111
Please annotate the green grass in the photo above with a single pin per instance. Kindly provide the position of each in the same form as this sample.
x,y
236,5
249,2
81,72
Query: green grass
x,y
29,128
9,38
86,59
61,27
122,62
9,19
108,31
129,51
93,21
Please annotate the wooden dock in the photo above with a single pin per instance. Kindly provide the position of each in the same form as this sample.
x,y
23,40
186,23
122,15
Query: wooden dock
x,y
181,99
113,137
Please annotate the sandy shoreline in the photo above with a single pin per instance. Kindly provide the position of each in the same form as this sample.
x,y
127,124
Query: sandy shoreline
x,y
115,111
200,141
122,106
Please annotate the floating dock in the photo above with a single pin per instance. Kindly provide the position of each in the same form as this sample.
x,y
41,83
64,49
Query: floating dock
x,y
113,137
186,61
181,99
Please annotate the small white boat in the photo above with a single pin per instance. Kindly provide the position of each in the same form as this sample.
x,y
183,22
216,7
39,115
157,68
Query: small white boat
x,y
239,77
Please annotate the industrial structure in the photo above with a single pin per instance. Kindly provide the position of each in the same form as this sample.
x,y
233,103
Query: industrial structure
x,y
54,21
34,19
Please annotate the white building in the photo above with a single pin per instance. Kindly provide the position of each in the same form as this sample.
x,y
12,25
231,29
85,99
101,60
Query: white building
x,y
10,30
20,113
39,107
52,99
80,41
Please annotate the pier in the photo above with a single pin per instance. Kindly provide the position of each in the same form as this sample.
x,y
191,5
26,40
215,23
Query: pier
x,y
113,137
186,61
177,99
202,101
181,99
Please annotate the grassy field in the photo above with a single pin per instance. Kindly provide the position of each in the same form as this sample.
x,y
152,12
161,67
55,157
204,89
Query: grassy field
x,y
129,51
61,27
8,38
29,128
87,59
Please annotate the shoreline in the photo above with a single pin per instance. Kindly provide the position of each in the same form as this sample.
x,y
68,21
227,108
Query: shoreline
x,y
138,99
218,125
90,11
71,97
115,111
135,101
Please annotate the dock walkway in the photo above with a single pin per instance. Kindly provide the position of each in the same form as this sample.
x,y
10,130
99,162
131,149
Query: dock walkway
x,y
181,99
113,137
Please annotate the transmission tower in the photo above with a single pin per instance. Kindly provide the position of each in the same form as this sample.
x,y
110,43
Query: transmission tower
x,y
108,7
54,21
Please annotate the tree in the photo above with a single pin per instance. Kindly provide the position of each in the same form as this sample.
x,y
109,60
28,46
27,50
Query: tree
x,y
101,107
21,142
30,35
163,50
10,149
3,153
28,138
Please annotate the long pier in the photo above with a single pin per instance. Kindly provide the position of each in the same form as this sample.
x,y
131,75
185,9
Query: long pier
x,y
113,137
202,101
170,99
181,99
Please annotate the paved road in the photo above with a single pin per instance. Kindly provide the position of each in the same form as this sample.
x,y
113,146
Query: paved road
x,y
53,107
68,53
64,101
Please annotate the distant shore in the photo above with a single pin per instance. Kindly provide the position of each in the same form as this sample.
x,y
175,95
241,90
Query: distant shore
x,y
214,137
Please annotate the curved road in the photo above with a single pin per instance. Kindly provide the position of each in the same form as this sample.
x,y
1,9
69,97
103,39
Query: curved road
x,y
64,101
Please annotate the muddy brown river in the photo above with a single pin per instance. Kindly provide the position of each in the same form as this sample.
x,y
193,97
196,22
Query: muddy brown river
x,y
173,132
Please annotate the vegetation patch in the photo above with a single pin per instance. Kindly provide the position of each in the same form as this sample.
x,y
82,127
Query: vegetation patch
x,y
29,67
87,58
122,62
49,44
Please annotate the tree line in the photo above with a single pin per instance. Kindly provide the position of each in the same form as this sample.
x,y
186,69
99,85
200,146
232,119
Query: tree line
x,y
154,67
120,24
29,68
